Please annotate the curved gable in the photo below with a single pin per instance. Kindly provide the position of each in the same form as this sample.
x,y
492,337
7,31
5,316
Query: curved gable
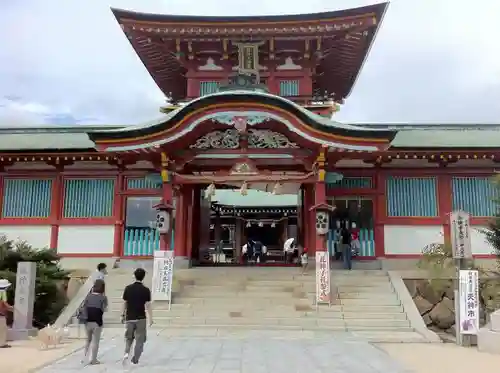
x,y
255,107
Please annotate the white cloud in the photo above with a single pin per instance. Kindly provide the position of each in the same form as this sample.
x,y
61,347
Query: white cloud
x,y
433,60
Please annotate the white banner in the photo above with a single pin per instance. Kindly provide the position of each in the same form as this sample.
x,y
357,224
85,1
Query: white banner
x,y
163,272
469,301
323,289
460,235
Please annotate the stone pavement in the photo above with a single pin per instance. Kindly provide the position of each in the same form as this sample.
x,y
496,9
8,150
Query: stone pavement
x,y
442,357
25,356
259,353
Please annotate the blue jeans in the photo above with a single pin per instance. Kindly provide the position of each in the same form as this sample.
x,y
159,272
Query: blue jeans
x,y
347,256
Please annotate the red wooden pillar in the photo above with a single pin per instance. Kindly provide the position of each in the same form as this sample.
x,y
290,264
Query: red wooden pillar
x,y
380,207
167,196
1,194
180,224
189,220
118,213
445,204
56,209
310,225
305,216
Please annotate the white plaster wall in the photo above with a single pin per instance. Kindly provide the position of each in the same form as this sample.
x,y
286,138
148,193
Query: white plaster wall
x,y
411,239
86,239
37,236
478,241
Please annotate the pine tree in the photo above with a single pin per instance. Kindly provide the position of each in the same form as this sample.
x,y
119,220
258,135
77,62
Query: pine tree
x,y
50,298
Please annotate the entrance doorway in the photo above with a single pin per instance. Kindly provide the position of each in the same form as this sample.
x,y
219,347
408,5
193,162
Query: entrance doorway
x,y
232,227
353,209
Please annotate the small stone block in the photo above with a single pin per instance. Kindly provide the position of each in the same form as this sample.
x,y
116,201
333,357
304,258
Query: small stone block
x,y
299,294
235,314
495,321
488,341
303,308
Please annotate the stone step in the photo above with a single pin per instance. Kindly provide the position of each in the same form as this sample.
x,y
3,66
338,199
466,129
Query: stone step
x,y
241,301
216,308
389,301
393,336
374,281
305,322
377,295
255,327
371,308
362,289
271,313
200,293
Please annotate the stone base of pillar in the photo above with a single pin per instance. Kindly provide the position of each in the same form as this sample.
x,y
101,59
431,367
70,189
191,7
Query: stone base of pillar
x,y
182,262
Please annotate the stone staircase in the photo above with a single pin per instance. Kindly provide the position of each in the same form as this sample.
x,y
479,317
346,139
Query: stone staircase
x,y
276,299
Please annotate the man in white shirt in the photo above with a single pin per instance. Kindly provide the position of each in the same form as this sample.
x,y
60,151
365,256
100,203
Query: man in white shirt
x,y
101,272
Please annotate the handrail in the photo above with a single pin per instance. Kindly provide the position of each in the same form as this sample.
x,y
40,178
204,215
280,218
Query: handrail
x,y
72,307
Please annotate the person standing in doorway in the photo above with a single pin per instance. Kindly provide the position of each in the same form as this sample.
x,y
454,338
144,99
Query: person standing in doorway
x,y
304,260
136,301
92,312
346,248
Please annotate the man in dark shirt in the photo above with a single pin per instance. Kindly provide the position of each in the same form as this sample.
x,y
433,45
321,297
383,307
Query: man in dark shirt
x,y
136,300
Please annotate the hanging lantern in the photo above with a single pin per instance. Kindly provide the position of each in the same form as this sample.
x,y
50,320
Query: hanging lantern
x,y
211,226
244,189
211,190
248,224
273,225
261,224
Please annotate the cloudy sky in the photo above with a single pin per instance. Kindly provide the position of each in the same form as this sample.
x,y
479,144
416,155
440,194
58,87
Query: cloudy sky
x,y
68,62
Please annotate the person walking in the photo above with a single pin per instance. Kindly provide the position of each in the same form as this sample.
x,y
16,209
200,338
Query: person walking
x,y
5,307
101,271
91,314
136,301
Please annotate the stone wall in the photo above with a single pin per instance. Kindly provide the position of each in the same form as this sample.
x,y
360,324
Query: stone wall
x,y
436,303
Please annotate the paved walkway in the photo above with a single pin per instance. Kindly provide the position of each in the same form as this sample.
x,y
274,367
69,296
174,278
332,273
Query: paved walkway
x,y
25,356
442,358
233,354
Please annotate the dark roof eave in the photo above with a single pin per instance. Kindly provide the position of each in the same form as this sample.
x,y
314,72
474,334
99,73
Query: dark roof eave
x,y
375,133
151,17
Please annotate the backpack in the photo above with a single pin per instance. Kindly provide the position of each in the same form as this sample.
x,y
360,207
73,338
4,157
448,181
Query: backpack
x,y
81,314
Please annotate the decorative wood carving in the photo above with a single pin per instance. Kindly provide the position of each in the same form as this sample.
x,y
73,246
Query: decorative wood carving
x,y
257,139
244,168
228,139
266,139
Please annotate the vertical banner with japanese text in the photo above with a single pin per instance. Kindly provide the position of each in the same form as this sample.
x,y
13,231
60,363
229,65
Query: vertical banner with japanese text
x,y
163,272
323,289
460,235
469,301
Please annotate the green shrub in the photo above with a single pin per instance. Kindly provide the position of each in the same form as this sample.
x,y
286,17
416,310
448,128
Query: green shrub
x,y
50,298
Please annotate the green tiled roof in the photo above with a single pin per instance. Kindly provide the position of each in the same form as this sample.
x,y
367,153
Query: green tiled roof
x,y
452,138
254,198
47,137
